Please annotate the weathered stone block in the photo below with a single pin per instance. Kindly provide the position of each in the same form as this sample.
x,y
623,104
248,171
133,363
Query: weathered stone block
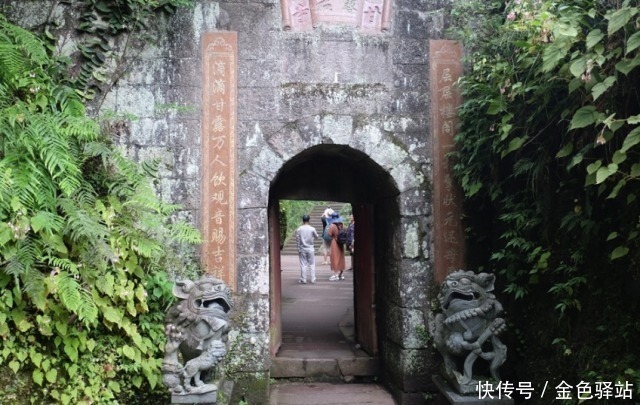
x,y
266,162
263,105
338,128
253,273
405,327
184,133
253,190
206,16
410,51
407,284
160,70
248,348
407,176
297,368
416,24
208,398
181,191
411,370
137,100
286,141
359,366
250,387
410,103
411,77
146,132
310,129
253,222
415,239
252,135
187,163
258,73
186,72
415,202
181,39
341,62
179,102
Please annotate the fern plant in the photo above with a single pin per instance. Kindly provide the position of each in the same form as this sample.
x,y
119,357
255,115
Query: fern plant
x,y
84,241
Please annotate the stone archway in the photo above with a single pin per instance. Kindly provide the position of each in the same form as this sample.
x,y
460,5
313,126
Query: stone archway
x,y
380,160
340,173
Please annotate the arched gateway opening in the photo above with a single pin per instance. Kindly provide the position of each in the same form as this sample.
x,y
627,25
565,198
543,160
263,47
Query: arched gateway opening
x,y
340,173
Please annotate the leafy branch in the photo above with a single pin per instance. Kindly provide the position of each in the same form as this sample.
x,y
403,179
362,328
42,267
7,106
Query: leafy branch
x,y
548,159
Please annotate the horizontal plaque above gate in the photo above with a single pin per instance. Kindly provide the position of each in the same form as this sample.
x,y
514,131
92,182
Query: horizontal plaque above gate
x,y
369,16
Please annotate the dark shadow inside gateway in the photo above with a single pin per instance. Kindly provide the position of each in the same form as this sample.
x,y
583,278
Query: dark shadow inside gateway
x,y
334,173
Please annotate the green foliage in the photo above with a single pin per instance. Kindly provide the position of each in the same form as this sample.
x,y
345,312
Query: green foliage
x,y
85,244
99,22
548,159
291,211
283,224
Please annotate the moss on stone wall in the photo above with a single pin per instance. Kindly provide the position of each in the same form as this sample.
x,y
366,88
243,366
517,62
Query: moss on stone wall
x,y
332,90
16,387
250,388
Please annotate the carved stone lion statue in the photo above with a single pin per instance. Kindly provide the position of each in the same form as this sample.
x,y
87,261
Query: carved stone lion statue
x,y
468,328
196,327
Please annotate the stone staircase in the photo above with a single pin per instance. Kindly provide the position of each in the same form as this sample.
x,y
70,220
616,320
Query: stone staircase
x,y
290,248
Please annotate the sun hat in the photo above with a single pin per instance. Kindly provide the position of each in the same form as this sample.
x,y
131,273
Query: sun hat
x,y
336,218
332,217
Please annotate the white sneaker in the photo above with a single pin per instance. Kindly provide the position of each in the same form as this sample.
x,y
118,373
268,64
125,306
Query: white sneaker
x,y
334,278
341,277
313,281
302,282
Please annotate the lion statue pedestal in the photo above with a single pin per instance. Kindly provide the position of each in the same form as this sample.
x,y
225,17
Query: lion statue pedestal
x,y
468,329
196,327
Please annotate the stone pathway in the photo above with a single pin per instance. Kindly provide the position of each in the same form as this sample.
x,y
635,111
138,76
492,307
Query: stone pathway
x,y
329,394
318,324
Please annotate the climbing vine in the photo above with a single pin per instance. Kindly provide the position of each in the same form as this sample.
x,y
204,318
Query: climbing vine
x,y
549,162
111,34
85,245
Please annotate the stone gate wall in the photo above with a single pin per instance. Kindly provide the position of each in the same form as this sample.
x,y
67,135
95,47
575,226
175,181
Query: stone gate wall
x,y
329,84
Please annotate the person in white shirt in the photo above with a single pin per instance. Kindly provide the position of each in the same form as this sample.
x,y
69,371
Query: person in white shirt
x,y
305,234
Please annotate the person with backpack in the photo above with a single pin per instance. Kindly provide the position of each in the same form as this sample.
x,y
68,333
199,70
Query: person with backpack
x,y
326,240
338,235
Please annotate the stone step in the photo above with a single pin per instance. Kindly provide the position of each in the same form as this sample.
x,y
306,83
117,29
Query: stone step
x,y
325,368
290,249
327,393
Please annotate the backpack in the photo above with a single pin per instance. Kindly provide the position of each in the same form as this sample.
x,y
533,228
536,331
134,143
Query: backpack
x,y
350,234
342,236
325,234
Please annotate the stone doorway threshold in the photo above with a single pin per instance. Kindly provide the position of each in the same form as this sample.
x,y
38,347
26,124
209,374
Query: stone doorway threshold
x,y
318,328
